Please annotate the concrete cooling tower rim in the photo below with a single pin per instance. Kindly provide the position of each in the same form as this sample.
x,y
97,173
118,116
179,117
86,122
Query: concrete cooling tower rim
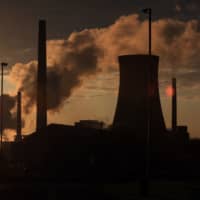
x,y
122,57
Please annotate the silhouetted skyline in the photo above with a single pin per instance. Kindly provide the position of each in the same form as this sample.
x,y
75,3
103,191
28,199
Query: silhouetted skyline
x,y
74,43
96,107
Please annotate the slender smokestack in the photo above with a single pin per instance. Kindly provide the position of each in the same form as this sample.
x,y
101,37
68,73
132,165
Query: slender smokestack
x,y
41,120
19,120
174,105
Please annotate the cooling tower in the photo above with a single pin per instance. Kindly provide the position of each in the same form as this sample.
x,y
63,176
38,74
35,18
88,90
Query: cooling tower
x,y
41,120
138,99
174,105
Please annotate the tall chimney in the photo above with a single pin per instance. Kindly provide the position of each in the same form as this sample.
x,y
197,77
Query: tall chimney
x,y
174,105
41,120
19,120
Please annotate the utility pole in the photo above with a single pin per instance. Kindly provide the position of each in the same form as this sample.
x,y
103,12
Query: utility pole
x,y
150,93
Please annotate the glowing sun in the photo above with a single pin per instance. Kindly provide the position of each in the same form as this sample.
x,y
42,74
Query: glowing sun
x,y
169,91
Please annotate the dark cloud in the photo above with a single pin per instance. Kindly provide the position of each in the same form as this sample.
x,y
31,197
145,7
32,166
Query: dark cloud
x,y
81,59
172,30
19,26
190,8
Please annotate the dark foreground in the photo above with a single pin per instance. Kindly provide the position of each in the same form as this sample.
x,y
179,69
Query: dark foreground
x,y
53,190
64,162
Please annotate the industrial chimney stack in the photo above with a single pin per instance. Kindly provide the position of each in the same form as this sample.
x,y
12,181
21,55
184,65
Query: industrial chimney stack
x,y
19,120
41,120
174,105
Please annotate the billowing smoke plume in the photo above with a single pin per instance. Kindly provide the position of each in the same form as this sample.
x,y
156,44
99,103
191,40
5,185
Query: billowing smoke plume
x,y
68,62
83,54
9,112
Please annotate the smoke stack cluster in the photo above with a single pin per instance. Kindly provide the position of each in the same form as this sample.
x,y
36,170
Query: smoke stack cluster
x,y
41,120
174,105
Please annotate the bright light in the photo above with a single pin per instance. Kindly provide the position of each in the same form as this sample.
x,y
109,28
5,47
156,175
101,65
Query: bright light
x,y
169,91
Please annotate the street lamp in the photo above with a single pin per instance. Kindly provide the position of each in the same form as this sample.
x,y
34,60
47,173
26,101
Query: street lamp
x,y
145,182
3,64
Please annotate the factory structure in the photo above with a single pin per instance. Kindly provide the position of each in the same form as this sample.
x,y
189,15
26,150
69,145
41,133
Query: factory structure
x,y
88,149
